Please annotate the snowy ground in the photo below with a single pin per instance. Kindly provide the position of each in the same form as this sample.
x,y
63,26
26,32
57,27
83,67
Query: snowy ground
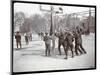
x,y
31,57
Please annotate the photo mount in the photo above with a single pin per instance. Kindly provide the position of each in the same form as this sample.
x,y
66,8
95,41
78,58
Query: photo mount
x,y
46,3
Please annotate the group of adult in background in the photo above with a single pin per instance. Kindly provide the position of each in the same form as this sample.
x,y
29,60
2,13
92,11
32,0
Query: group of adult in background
x,y
70,40
41,35
28,37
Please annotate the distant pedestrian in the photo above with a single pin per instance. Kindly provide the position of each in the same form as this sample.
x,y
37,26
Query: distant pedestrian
x,y
18,39
30,37
47,40
42,35
26,39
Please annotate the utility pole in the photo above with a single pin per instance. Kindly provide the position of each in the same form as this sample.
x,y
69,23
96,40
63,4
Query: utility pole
x,y
51,27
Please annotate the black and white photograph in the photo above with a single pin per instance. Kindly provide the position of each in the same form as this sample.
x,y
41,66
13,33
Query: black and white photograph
x,y
53,37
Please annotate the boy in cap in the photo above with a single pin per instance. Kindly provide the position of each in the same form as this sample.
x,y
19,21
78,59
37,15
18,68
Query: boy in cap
x,y
47,40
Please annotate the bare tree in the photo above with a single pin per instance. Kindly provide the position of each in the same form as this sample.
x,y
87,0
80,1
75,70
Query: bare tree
x,y
19,18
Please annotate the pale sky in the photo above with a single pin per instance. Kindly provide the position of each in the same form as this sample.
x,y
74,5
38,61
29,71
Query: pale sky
x,y
30,9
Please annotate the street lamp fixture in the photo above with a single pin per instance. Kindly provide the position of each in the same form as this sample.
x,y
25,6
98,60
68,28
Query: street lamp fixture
x,y
61,11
